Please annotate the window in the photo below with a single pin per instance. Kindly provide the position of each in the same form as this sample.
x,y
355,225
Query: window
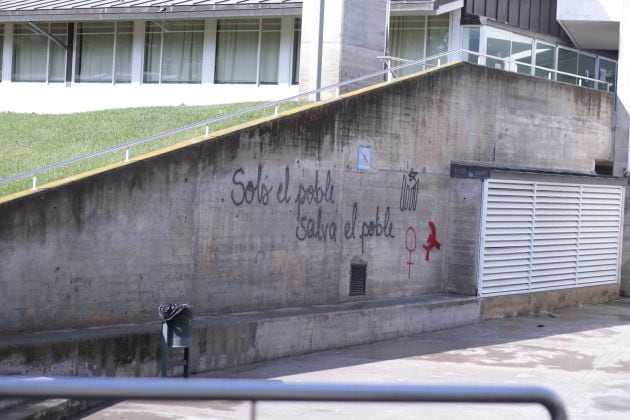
x,y
522,53
297,36
248,51
568,63
417,37
1,47
36,58
173,51
508,51
607,72
103,52
498,45
437,36
545,58
470,42
586,68
515,49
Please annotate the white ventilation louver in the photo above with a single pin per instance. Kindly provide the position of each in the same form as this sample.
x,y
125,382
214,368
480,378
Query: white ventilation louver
x,y
544,236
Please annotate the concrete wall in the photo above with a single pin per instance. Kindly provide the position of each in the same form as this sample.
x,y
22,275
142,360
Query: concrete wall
x,y
353,36
274,214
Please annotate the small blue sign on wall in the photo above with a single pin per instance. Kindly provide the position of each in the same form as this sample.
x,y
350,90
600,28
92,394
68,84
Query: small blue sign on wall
x,y
364,160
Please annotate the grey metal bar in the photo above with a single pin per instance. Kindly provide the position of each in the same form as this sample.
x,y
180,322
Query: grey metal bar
x,y
406,63
47,34
261,390
211,120
518,63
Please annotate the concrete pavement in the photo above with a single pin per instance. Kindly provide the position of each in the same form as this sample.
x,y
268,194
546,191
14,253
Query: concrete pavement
x,y
582,353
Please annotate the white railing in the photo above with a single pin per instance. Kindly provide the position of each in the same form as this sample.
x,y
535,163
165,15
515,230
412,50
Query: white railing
x,y
507,64
204,125
390,72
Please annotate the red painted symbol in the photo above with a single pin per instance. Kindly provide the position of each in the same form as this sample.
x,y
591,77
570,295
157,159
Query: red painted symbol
x,y
410,247
431,242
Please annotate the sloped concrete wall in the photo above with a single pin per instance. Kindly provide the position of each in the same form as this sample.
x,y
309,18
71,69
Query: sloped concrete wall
x,y
273,215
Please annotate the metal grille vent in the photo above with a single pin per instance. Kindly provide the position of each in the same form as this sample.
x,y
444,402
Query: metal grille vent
x,y
358,274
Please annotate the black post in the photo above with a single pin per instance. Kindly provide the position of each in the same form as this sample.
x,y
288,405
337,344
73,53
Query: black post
x,y
164,369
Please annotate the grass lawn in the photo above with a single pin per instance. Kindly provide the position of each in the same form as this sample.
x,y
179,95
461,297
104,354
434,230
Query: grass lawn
x,y
31,141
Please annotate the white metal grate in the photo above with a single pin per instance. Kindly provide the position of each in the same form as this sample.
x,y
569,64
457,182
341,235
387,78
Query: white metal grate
x,y
544,236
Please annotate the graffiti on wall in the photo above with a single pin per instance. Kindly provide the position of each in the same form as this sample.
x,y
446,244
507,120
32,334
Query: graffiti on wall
x,y
411,243
409,191
432,241
310,196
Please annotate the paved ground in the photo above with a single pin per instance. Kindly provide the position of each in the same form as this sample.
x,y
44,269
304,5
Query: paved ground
x,y
583,354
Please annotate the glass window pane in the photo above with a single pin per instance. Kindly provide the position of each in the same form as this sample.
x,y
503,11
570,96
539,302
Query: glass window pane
x,y
58,61
607,72
181,57
498,45
96,27
1,47
183,25
123,57
586,68
269,54
437,36
406,40
238,25
269,50
58,55
237,51
522,53
152,46
95,55
568,63
545,58
30,53
470,42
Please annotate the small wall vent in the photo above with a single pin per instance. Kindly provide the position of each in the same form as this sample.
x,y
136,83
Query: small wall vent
x,y
358,274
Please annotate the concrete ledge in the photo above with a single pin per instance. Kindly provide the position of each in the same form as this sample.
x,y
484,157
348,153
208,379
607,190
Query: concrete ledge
x,y
232,340
513,305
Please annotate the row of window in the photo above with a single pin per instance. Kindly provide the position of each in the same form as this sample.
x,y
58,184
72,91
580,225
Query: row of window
x,y
416,37
247,51
537,58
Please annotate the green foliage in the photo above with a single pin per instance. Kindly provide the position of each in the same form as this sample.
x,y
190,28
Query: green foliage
x,y
31,141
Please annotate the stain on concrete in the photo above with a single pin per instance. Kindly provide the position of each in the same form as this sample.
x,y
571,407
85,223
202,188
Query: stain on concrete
x,y
612,403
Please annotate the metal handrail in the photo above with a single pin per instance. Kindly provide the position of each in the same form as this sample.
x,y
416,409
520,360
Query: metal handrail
x,y
461,51
390,70
556,72
272,390
125,146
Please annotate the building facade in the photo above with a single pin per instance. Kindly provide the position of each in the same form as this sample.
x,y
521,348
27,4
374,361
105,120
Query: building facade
x,y
68,56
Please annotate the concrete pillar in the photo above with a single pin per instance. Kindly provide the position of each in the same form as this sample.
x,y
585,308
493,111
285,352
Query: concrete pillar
x,y
623,95
286,51
621,163
137,52
352,36
209,51
7,53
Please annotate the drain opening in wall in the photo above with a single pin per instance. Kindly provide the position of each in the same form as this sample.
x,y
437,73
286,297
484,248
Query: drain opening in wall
x,y
358,274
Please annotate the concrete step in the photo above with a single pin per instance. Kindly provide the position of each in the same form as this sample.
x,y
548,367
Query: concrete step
x,y
235,339
50,409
